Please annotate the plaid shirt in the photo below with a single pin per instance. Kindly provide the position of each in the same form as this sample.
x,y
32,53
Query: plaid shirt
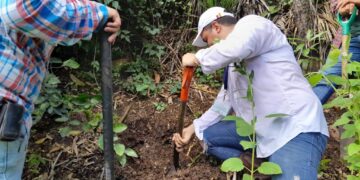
x,y
29,30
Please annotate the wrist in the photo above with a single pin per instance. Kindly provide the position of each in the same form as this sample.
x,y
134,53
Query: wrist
x,y
190,129
196,61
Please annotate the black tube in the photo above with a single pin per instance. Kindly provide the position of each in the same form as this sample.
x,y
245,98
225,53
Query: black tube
x,y
179,130
106,91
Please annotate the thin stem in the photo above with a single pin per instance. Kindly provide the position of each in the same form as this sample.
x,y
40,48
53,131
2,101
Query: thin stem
x,y
253,137
331,84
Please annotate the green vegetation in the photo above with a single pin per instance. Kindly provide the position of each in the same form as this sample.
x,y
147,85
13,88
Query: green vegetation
x,y
243,128
154,35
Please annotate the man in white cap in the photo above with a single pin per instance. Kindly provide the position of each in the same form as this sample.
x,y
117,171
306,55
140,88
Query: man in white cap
x,y
295,142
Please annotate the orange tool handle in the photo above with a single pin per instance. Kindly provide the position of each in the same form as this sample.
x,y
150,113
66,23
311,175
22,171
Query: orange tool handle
x,y
188,73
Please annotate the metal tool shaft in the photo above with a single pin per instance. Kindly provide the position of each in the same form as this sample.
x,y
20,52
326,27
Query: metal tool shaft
x,y
179,130
107,92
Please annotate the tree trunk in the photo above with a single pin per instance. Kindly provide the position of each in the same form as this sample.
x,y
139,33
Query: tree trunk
x,y
303,15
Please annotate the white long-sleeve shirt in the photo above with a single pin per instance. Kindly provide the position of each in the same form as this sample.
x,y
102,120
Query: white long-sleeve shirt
x,y
278,85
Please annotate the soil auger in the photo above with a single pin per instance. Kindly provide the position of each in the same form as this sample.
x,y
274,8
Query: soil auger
x,y
184,97
107,92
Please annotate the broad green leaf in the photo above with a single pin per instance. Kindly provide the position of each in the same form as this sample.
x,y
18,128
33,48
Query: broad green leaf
x,y
71,63
349,132
314,78
53,80
299,47
357,164
95,100
246,177
75,122
115,4
141,87
354,82
344,119
247,144
353,149
332,59
269,168
306,52
233,118
119,128
353,67
357,125
130,152
101,142
338,80
338,102
64,132
277,115
119,149
44,106
122,160
232,165
243,128
351,177
94,122
62,119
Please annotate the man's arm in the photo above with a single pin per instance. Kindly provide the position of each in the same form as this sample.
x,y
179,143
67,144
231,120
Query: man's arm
x,y
55,21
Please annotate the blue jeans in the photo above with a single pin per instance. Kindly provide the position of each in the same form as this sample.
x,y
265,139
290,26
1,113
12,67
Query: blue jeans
x,y
324,90
299,157
12,156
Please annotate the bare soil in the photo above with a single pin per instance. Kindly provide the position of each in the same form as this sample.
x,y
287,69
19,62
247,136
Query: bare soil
x,y
149,134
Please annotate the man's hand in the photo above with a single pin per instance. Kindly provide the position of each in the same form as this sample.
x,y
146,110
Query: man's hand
x,y
189,59
113,25
345,7
187,134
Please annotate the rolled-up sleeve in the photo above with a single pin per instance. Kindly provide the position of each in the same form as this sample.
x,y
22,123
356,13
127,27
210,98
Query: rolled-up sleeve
x,y
54,21
220,108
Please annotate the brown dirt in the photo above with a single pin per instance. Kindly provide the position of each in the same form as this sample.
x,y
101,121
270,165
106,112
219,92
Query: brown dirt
x,y
149,134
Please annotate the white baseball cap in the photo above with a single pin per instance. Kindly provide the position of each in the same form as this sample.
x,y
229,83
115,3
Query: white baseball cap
x,y
206,18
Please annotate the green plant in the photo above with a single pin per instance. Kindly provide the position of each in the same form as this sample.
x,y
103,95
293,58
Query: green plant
x,y
33,161
213,80
274,7
139,79
306,49
227,4
243,128
173,86
324,165
121,151
140,83
159,106
50,100
348,99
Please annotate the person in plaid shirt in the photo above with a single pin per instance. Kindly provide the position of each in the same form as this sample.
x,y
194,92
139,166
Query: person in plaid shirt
x,y
29,31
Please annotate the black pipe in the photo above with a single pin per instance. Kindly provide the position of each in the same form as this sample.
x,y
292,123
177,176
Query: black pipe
x,y
106,91
179,130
